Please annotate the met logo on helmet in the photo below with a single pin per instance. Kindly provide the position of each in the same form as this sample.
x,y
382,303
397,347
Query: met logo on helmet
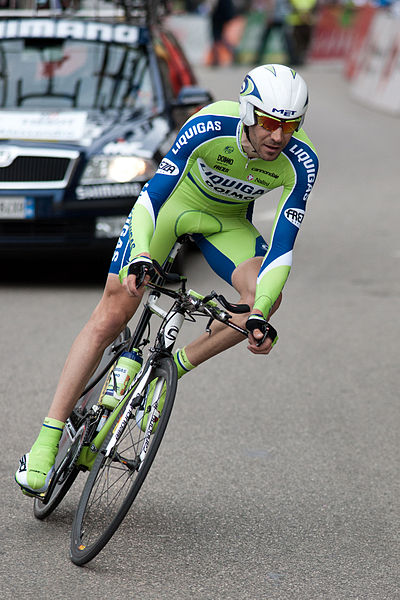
x,y
284,112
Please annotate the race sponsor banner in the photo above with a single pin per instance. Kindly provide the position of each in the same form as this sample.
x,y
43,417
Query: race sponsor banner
x,y
333,33
35,125
193,33
247,49
361,27
376,82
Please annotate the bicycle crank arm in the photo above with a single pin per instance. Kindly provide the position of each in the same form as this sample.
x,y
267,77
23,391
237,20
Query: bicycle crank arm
x,y
67,462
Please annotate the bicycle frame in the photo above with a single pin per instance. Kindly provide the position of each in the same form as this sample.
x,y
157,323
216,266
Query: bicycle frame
x,y
168,335
80,453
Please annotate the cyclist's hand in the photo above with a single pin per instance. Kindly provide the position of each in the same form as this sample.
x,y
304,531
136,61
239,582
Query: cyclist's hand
x,y
137,274
262,336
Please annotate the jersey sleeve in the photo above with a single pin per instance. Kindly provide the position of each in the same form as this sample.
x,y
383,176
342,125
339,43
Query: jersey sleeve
x,y
277,263
151,199
172,169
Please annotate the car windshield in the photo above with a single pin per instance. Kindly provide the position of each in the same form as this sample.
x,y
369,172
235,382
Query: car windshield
x,y
59,74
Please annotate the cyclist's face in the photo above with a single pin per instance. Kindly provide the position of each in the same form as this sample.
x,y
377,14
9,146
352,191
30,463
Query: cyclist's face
x,y
268,144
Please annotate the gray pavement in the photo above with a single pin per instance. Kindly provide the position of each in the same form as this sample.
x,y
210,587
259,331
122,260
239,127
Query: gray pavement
x,y
278,478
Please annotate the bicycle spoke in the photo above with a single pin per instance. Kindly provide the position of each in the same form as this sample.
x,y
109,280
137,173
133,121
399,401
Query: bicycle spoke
x,y
114,483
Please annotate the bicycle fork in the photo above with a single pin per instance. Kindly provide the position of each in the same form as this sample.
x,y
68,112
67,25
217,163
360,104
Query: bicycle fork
x,y
129,413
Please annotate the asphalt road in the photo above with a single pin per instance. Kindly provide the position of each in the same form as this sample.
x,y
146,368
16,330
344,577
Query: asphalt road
x,y
278,478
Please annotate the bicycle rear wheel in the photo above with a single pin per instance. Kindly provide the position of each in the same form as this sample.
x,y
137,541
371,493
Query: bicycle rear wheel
x,y
66,476
115,481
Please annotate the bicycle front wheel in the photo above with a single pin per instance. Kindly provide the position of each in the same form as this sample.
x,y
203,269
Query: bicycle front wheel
x,y
115,480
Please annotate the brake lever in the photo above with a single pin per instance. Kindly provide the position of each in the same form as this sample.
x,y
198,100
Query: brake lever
x,y
140,278
270,332
264,337
208,326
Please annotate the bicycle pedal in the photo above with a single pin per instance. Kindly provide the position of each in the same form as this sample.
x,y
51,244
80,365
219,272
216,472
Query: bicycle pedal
x,y
30,494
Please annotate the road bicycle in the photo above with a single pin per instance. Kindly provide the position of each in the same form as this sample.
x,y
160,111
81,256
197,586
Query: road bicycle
x,y
118,446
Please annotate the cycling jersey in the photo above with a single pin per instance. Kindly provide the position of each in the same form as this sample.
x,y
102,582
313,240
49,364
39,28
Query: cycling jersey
x,y
206,185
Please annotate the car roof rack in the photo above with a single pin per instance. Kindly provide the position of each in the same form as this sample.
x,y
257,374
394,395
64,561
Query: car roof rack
x,y
135,12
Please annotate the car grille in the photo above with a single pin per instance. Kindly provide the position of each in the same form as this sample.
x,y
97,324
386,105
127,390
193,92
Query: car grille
x,y
37,169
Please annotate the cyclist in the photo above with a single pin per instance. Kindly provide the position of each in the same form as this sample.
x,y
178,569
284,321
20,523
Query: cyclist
x,y
224,157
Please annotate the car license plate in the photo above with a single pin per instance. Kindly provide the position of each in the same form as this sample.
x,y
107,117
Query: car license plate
x,y
16,207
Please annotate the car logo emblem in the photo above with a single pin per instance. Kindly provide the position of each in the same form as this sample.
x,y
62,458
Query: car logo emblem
x,y
6,158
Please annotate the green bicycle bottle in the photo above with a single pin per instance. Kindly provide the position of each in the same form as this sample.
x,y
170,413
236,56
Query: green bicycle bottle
x,y
126,369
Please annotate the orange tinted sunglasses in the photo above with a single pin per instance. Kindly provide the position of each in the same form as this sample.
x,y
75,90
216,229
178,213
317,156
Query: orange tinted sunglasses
x,y
271,124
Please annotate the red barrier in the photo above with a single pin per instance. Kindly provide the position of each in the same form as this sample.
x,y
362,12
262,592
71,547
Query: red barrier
x,y
361,28
376,80
333,33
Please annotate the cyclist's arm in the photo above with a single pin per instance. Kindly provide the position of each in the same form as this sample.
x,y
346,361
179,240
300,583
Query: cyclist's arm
x,y
277,262
144,215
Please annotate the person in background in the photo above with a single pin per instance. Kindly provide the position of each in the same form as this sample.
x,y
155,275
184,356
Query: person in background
x,y
301,21
278,12
222,12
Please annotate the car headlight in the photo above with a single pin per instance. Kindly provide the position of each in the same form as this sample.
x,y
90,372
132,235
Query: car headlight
x,y
117,169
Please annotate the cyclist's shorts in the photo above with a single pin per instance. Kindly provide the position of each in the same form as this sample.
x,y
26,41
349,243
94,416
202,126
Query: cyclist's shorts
x,y
225,241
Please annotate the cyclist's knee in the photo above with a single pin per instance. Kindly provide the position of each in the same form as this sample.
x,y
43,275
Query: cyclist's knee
x,y
247,297
106,325
112,313
244,279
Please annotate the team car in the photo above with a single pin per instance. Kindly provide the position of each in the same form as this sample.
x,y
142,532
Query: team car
x,y
88,107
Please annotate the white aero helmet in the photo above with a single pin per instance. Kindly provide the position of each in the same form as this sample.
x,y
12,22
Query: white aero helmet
x,y
276,90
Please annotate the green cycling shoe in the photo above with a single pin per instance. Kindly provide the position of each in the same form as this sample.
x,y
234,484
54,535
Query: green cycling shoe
x,y
37,466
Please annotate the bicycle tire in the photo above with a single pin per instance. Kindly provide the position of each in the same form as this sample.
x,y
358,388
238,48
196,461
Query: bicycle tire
x,y
42,510
115,481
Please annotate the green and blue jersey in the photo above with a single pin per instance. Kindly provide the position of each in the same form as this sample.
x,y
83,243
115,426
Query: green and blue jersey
x,y
207,173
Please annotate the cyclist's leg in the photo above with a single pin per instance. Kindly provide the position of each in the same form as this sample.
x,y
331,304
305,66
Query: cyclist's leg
x,y
174,220
108,319
181,217
106,322
235,255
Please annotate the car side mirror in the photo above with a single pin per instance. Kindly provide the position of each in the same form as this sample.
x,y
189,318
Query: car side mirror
x,y
192,95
